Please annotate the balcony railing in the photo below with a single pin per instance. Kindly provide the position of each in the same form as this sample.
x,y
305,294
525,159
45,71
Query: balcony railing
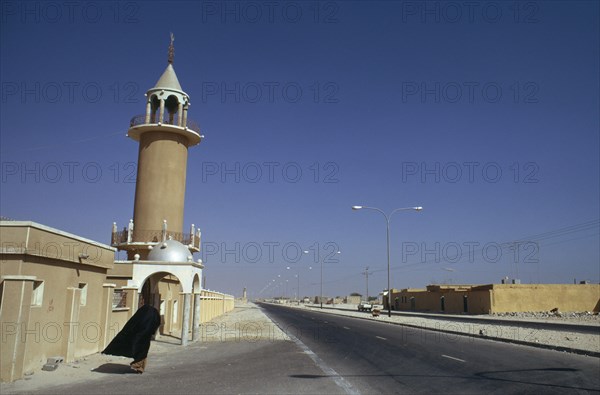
x,y
141,120
126,236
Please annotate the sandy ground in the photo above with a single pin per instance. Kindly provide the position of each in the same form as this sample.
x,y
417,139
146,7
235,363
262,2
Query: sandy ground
x,y
245,322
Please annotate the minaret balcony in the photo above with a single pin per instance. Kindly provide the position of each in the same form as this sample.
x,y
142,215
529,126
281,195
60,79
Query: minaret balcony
x,y
185,127
125,240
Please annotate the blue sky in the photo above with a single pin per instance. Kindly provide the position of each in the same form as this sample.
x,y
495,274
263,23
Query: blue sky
x,y
486,115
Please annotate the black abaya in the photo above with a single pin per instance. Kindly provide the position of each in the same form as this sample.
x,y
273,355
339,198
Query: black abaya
x,y
134,339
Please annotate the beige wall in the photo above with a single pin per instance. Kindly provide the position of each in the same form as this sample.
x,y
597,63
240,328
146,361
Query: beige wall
x,y
480,302
68,320
117,321
120,273
214,304
500,298
14,318
545,297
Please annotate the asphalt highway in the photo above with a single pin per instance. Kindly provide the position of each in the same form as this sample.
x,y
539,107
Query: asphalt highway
x,y
377,358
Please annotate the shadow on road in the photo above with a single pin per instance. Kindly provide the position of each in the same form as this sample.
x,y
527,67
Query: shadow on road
x,y
477,376
114,368
167,339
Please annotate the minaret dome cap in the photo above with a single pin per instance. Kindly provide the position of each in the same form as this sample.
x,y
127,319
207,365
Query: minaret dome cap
x,y
168,80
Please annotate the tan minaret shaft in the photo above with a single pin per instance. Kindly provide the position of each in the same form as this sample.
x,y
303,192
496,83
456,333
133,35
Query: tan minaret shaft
x,y
160,188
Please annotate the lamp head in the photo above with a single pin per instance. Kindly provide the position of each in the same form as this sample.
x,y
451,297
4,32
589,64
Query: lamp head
x,y
418,208
356,207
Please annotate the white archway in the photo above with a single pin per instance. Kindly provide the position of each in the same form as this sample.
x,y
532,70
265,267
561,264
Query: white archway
x,y
186,273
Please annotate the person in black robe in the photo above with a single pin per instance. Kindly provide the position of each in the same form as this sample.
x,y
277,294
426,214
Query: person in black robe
x,y
134,339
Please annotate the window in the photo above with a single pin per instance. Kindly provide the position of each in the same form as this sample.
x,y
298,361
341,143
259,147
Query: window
x,y
38,293
83,287
119,299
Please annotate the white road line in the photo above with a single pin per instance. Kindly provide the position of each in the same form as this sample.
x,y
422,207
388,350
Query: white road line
x,y
329,372
346,327
456,359
382,338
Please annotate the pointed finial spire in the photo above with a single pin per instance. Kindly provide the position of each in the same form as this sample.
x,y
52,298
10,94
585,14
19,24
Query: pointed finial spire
x,y
171,49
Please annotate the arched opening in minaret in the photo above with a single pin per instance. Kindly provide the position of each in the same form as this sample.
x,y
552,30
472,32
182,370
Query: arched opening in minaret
x,y
172,106
196,284
154,108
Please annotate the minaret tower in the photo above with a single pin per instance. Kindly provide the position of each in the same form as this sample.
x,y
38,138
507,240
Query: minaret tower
x,y
164,134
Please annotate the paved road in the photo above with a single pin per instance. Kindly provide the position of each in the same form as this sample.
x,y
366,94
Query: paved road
x,y
374,357
228,367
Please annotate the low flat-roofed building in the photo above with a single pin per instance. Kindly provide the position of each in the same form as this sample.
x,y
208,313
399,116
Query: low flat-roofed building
x,y
498,298
54,300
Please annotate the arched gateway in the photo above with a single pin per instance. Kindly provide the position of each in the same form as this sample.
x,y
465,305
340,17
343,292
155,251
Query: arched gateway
x,y
166,276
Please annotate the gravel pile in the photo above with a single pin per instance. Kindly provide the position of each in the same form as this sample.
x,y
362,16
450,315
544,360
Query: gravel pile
x,y
574,316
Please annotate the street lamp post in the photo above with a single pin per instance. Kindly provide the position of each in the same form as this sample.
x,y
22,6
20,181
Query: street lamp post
x,y
297,275
298,289
366,273
321,295
387,221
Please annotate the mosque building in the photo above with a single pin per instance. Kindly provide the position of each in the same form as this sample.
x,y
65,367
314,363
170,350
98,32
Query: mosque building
x,y
65,296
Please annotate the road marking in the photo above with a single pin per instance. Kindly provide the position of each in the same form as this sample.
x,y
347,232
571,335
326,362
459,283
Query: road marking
x,y
325,322
456,359
329,372
346,327
382,338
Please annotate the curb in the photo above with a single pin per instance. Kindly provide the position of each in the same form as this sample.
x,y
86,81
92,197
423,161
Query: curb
x,y
559,326
500,339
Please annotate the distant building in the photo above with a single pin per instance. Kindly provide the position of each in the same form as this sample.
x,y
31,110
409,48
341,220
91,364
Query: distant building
x,y
317,299
497,298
